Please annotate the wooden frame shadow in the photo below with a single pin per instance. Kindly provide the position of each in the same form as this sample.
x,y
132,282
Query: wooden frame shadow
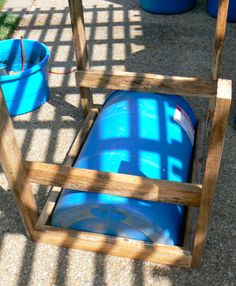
x,y
183,253
20,173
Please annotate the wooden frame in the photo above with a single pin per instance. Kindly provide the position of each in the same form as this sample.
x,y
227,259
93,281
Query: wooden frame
x,y
221,24
20,173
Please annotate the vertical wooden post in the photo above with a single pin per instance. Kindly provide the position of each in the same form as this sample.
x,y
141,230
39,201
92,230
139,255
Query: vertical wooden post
x,y
81,52
215,149
219,37
218,48
15,171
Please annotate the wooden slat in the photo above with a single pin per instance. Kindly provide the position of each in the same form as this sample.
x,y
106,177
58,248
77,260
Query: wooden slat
x,y
218,50
114,184
68,161
215,149
117,246
80,138
14,169
81,52
49,206
219,37
195,179
186,86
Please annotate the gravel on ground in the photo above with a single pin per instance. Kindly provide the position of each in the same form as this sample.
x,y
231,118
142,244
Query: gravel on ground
x,y
123,37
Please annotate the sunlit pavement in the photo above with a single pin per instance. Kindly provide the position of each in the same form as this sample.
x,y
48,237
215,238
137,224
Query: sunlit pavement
x,y
122,37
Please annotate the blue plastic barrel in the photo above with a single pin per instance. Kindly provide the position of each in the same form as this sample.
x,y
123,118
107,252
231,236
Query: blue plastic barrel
x,y
144,134
167,6
212,9
24,90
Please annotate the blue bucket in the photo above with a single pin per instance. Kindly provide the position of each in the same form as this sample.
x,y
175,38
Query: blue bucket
x,y
167,6
25,90
138,134
212,9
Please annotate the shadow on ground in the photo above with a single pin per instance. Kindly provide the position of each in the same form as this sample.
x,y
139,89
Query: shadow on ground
x,y
123,37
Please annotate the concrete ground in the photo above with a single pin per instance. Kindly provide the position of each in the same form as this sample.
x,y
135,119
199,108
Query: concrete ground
x,y
120,36
18,8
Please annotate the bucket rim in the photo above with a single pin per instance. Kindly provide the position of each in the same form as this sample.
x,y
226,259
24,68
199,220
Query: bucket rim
x,y
27,72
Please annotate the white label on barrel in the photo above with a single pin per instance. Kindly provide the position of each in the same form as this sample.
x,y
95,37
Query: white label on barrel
x,y
181,117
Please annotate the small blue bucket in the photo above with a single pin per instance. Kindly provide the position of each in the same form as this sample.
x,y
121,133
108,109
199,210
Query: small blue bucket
x,y
167,6
25,90
212,9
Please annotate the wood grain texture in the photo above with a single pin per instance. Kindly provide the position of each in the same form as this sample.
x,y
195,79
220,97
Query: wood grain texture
x,y
215,149
218,50
219,37
186,86
172,255
80,138
68,161
15,171
49,206
81,52
114,184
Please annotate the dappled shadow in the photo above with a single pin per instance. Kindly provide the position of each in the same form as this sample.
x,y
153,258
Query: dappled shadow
x,y
120,37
